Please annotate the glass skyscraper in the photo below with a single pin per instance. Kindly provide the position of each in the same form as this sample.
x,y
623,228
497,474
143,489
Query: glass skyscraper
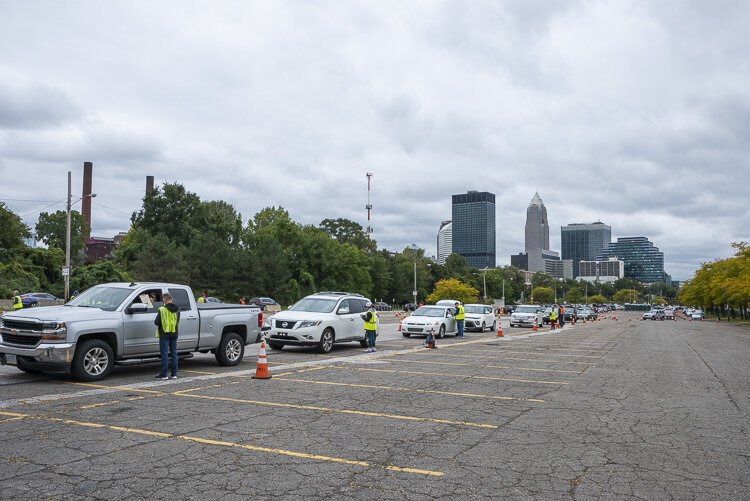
x,y
584,242
444,241
643,260
474,228
537,226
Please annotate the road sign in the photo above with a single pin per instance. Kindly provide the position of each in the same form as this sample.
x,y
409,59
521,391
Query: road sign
x,y
66,271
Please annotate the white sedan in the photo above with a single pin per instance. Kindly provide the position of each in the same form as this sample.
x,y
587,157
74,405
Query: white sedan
x,y
479,317
436,319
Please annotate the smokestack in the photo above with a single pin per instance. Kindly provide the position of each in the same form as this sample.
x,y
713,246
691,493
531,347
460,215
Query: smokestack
x,y
149,184
86,202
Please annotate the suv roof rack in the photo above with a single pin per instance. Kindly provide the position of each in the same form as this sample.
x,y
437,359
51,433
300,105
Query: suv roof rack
x,y
336,293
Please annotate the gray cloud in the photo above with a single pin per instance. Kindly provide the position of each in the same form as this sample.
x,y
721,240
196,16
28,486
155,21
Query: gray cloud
x,y
634,113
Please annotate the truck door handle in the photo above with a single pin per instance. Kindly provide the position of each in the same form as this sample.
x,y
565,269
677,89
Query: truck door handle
x,y
190,318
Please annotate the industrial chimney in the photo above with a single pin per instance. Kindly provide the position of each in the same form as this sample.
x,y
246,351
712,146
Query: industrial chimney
x,y
149,184
86,202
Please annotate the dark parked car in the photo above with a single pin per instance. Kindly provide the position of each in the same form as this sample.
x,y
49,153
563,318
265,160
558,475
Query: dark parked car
x,y
262,302
410,307
32,298
381,306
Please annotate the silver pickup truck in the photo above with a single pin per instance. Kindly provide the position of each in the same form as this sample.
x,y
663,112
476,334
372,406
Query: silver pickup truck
x,y
114,324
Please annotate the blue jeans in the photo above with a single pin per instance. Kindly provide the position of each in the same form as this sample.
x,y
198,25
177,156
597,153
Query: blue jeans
x,y
460,327
370,339
168,343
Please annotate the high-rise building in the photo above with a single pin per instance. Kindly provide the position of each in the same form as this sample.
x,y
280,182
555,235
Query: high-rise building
x,y
537,225
444,241
474,228
643,260
520,261
584,242
608,271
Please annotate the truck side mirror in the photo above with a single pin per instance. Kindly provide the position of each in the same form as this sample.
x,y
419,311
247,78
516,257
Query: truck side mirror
x,y
137,308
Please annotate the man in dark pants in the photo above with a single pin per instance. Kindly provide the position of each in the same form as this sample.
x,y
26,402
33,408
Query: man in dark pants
x,y
166,322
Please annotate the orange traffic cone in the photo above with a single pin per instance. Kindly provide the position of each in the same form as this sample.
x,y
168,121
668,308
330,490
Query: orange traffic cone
x,y
399,327
499,330
534,328
261,371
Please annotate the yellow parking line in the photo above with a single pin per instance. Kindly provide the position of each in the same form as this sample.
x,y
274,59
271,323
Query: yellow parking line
x,y
546,360
113,402
12,419
206,373
256,448
488,366
469,376
122,388
414,390
339,411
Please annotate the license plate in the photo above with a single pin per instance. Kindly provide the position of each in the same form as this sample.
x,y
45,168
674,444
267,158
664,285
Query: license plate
x,y
11,359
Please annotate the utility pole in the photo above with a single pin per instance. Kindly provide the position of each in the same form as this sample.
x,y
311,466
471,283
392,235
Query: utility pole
x,y
66,269
415,283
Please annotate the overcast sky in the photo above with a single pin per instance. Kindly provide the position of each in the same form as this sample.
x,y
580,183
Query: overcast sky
x,y
635,113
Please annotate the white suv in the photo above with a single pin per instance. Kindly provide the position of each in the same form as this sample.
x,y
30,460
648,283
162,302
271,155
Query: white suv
x,y
319,320
527,314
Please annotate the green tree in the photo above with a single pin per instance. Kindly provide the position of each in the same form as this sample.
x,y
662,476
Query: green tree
x,y
574,295
451,288
628,283
104,271
543,295
456,266
348,231
51,228
161,260
170,211
14,276
13,232
597,299
626,296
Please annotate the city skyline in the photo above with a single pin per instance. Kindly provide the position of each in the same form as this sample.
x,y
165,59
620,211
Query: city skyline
x,y
289,104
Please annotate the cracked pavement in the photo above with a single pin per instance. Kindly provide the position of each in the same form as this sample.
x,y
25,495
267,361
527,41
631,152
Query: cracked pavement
x,y
623,409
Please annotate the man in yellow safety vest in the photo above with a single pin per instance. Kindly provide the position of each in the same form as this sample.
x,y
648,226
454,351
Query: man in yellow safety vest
x,y
371,327
17,303
166,322
459,317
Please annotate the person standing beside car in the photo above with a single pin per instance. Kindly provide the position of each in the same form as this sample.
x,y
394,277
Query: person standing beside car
x,y
459,317
17,302
371,326
167,319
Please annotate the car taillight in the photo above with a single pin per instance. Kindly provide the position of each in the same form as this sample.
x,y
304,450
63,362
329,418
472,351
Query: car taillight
x,y
260,319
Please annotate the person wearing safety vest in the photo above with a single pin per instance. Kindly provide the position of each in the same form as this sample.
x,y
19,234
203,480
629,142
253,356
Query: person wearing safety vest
x,y
553,317
460,315
202,299
371,327
166,321
17,303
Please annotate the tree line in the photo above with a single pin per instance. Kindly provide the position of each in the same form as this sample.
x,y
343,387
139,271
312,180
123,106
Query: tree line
x,y
722,286
177,237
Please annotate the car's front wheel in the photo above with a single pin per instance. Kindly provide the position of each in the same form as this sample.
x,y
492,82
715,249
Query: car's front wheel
x,y
441,332
93,360
326,341
483,327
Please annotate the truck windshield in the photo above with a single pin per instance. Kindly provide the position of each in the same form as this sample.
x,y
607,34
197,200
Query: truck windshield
x,y
104,298
316,305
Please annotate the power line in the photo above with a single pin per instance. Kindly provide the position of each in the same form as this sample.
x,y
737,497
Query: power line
x,y
43,208
23,200
110,208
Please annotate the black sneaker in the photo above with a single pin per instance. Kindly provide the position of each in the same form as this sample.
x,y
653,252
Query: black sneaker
x,y
162,377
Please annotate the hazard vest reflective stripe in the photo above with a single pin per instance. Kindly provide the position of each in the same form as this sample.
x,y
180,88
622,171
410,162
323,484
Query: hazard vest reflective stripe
x,y
201,299
460,312
168,320
17,303
372,325
553,315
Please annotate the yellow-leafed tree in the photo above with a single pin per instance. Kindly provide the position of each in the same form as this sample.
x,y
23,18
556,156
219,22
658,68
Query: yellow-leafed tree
x,y
451,288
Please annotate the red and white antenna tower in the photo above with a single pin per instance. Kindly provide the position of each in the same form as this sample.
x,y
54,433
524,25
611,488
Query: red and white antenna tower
x,y
369,206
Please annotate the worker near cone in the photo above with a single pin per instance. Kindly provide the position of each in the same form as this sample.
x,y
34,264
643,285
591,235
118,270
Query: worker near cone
x,y
553,317
460,316
371,327
167,319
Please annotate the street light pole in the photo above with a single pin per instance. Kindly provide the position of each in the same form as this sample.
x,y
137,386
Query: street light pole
x,y
67,244
415,283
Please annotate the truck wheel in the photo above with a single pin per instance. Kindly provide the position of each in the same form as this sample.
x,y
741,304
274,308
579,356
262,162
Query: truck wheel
x,y
326,341
275,346
93,360
231,350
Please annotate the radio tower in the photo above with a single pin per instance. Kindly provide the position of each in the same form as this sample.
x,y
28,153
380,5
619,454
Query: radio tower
x,y
369,207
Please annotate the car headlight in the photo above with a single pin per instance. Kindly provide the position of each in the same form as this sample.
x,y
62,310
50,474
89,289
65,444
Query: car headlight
x,y
267,322
56,331
309,323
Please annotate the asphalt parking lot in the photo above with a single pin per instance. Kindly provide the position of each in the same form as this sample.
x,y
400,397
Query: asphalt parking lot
x,y
614,409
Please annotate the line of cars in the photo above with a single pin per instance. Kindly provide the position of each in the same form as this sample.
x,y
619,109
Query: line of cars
x,y
659,312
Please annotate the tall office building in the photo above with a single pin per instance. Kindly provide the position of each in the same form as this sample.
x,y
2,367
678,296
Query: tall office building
x,y
474,228
444,241
643,260
584,242
537,225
